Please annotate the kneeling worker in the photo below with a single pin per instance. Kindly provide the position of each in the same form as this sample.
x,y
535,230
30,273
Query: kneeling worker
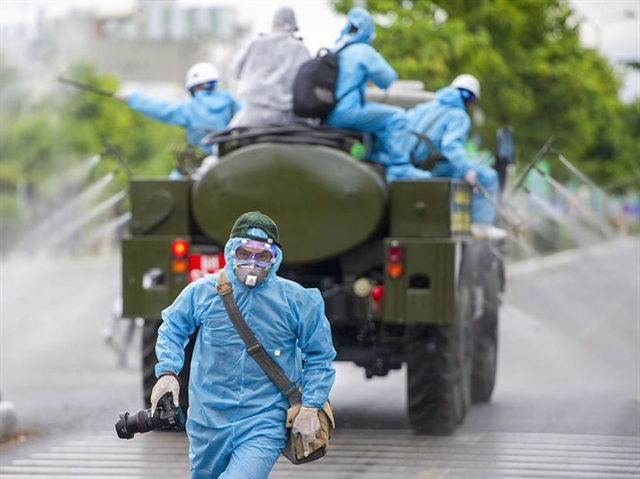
x,y
446,122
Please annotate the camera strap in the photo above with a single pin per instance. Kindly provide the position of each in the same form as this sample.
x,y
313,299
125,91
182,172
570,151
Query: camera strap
x,y
254,348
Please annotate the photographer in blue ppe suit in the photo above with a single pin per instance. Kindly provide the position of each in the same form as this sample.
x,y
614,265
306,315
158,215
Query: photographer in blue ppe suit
x,y
358,63
236,417
208,109
446,122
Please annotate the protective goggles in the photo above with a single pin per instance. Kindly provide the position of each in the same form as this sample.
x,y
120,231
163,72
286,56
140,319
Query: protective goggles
x,y
252,251
467,95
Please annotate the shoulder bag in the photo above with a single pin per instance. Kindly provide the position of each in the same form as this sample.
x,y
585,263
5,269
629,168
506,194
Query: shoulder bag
x,y
293,449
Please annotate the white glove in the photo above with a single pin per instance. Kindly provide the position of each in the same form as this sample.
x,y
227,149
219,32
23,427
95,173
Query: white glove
x,y
471,178
166,384
307,425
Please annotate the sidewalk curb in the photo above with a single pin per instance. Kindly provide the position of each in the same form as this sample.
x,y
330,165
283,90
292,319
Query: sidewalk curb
x,y
8,420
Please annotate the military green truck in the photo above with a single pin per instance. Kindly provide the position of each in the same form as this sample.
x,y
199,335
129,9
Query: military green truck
x,y
403,280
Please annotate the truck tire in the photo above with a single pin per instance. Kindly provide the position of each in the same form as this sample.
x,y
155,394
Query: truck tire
x,y
149,360
439,372
485,336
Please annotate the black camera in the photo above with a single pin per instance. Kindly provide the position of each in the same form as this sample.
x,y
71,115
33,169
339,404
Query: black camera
x,y
166,416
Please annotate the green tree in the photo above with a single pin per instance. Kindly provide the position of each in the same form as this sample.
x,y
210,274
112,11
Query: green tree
x,y
88,118
535,74
40,141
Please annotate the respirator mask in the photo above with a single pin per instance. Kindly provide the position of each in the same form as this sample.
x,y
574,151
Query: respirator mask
x,y
252,261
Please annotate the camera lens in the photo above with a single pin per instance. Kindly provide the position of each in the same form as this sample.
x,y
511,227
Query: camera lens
x,y
145,421
166,416
130,424
124,429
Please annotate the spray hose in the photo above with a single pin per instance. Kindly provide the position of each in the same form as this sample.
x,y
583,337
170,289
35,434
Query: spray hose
x,y
86,87
515,226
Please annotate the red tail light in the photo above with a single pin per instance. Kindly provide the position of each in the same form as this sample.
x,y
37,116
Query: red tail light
x,y
394,260
179,248
377,293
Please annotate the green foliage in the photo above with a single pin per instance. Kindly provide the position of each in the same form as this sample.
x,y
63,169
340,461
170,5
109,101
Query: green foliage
x,y
535,75
41,141
145,144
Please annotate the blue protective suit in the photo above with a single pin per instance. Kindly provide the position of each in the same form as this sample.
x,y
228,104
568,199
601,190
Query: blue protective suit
x,y
446,122
266,70
236,414
359,63
204,112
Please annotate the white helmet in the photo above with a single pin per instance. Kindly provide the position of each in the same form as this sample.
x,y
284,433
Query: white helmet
x,y
201,73
467,82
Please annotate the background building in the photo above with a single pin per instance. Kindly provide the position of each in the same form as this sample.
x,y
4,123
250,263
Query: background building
x,y
149,45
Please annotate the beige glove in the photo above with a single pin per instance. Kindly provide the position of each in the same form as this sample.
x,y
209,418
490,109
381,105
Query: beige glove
x,y
471,178
165,384
307,425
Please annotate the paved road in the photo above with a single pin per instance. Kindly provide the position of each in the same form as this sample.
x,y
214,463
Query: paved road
x,y
566,402
356,454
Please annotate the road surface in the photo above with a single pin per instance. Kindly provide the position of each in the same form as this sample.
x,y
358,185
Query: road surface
x,y
566,402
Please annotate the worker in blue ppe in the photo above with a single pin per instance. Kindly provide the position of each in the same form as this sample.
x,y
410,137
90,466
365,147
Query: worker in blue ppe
x,y
236,417
446,122
359,63
266,70
207,110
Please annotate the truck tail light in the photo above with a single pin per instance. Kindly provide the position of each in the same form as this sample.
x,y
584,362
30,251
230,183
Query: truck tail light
x,y
179,250
377,293
394,260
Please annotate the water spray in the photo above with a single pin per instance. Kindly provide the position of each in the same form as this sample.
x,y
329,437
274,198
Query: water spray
x,y
60,217
543,151
581,176
106,229
515,226
577,231
70,230
576,203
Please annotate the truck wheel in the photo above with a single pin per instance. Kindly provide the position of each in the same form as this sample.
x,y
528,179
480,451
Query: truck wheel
x,y
439,372
149,360
485,337
485,358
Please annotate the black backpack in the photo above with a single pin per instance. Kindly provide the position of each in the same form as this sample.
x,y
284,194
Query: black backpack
x,y
314,86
